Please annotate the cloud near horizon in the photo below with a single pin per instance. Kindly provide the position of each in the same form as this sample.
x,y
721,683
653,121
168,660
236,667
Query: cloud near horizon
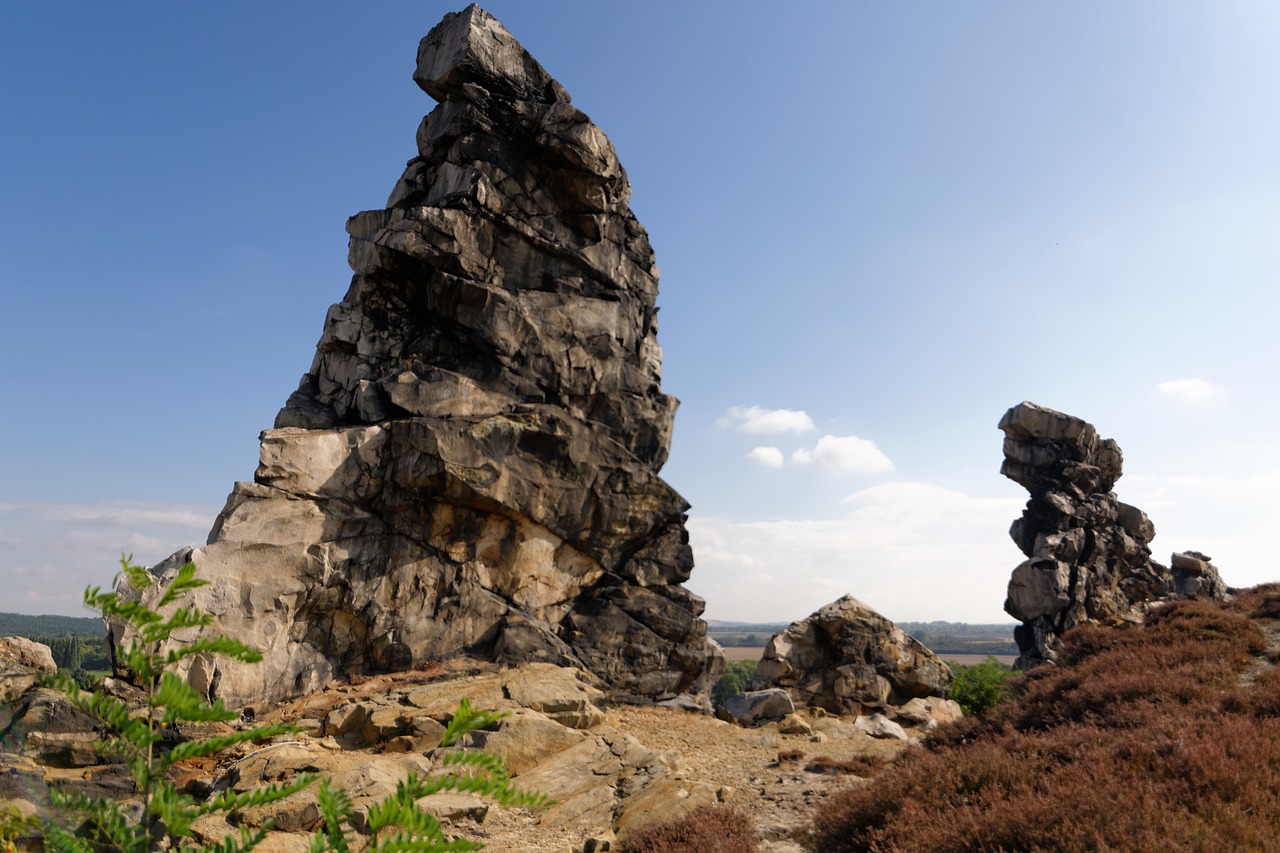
x,y
52,551
911,550
758,420
1191,390
846,453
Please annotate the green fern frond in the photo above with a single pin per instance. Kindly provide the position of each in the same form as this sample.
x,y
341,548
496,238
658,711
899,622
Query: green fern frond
x,y
228,800
220,645
336,811
182,583
468,719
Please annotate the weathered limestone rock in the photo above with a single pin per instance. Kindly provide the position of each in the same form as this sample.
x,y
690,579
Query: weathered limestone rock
x,y
847,658
1087,553
471,463
759,706
22,662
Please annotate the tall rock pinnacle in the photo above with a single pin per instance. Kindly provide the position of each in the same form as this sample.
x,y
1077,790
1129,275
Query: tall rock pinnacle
x,y
1087,553
471,463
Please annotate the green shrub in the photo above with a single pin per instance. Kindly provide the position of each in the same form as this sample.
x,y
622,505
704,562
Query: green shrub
x,y
980,687
737,675
145,742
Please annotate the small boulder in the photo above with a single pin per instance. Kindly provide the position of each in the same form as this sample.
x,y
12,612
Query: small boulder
x,y
759,706
880,726
22,662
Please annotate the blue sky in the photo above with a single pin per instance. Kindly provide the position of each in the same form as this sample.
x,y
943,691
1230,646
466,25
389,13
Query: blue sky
x,y
896,219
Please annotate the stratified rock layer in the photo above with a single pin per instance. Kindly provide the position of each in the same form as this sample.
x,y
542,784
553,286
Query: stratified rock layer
x,y
847,659
471,463
1087,553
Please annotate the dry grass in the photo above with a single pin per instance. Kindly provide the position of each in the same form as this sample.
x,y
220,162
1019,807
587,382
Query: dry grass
x,y
1142,740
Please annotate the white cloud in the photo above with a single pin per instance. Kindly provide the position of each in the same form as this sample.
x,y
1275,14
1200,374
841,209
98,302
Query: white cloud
x,y
768,457
914,551
754,419
53,551
1191,390
846,453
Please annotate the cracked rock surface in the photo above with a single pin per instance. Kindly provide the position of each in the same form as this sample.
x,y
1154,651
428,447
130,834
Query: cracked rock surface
x,y
471,462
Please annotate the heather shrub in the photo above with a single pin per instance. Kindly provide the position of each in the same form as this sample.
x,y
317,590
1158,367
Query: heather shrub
x,y
1142,739
707,828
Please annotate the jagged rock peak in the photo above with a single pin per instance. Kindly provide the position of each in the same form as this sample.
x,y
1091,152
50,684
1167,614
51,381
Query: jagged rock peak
x,y
471,462
1087,553
471,49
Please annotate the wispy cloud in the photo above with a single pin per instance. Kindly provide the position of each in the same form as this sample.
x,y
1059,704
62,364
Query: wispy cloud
x,y
758,420
846,453
767,457
1191,390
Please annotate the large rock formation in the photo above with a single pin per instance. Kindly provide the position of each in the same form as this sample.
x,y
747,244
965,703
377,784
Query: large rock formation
x,y
1087,553
847,659
471,463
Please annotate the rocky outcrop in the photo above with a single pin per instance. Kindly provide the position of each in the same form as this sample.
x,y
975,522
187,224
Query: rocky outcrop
x,y
847,658
1087,553
471,463
22,663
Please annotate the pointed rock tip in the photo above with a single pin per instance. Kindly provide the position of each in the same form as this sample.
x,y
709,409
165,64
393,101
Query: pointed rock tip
x,y
472,47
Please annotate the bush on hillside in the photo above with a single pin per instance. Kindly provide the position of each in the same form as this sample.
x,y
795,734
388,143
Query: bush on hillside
x,y
980,687
1143,739
737,675
706,828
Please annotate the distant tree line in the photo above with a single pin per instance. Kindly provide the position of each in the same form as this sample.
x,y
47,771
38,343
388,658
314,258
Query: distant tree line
x,y
963,638
22,625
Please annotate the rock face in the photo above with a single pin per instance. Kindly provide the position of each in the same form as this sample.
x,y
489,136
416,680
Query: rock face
x,y
471,463
22,662
847,658
1087,553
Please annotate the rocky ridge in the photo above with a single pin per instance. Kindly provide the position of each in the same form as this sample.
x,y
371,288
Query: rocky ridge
x,y
1087,552
471,463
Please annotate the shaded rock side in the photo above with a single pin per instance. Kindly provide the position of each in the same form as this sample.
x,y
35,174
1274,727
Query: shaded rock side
x,y
471,463
1087,552
846,658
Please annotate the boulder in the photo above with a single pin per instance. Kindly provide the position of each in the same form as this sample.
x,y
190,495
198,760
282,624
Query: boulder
x,y
22,662
1087,552
846,658
879,726
471,462
759,706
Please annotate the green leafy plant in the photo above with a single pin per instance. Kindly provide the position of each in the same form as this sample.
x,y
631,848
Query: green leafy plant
x,y
737,675
144,741
980,687
13,826
165,816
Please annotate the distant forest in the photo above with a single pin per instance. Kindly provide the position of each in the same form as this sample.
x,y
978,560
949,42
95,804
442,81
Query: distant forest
x,y
943,637
21,625
78,643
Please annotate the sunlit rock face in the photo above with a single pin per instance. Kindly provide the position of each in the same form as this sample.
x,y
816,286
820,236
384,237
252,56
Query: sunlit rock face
x,y
848,659
471,463
1087,553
